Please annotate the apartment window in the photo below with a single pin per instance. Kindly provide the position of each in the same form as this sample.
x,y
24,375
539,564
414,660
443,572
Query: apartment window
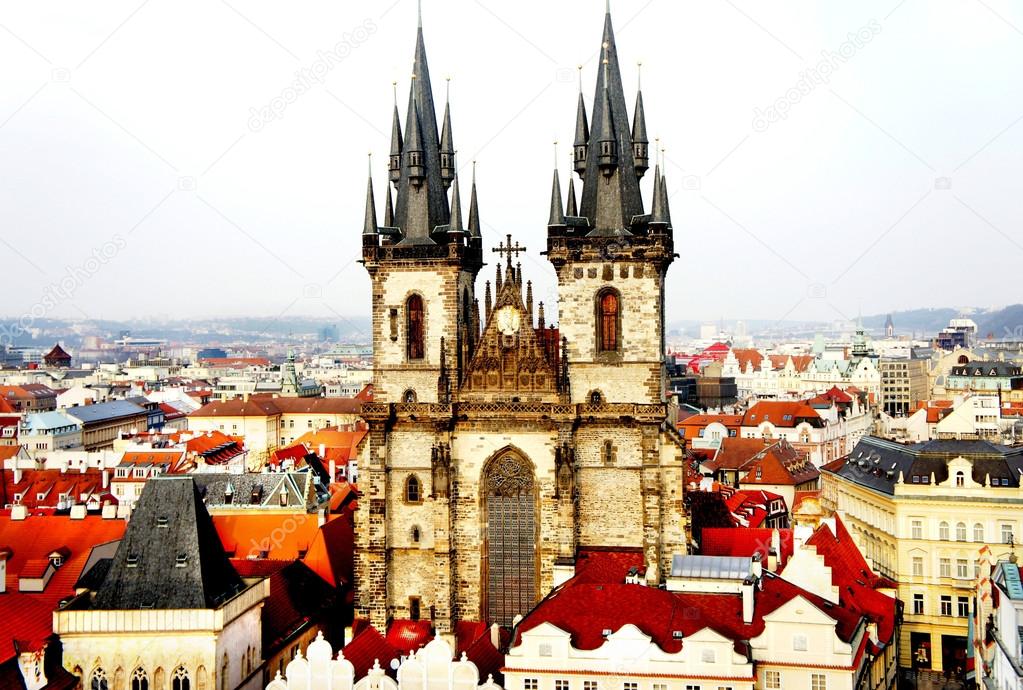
x,y
1006,534
773,680
917,529
918,604
629,685
918,566
659,686
963,607
589,685
818,681
946,605
960,478
799,643
530,684
978,533
943,531
692,687
414,608
945,567
962,568
960,531
561,684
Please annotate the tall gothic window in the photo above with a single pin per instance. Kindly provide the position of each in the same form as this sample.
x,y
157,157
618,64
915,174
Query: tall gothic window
x,y
139,679
608,321
413,489
99,680
510,554
179,681
415,318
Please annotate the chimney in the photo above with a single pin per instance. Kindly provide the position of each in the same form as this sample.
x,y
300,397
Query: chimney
x,y
747,600
19,512
4,555
333,471
323,450
776,547
495,635
106,478
17,472
78,512
756,566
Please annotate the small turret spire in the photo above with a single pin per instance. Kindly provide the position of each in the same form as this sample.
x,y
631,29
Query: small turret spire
x,y
640,142
388,210
582,131
370,225
540,318
488,301
657,215
394,166
529,299
447,149
414,143
557,216
572,210
474,210
456,208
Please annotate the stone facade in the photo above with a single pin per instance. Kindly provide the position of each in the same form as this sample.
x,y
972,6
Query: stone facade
x,y
505,444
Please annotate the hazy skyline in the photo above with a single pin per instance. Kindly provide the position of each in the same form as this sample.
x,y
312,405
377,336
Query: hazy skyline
x,y
143,179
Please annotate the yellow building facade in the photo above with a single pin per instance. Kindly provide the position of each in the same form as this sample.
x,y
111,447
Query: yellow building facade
x,y
921,514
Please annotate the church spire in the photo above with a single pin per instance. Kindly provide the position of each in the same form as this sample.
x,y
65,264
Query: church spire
x,y
640,141
474,209
557,216
572,209
394,166
611,194
657,215
582,131
388,210
369,226
456,207
447,150
422,203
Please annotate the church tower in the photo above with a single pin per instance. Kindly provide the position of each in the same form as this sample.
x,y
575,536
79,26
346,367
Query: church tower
x,y
502,446
423,260
611,256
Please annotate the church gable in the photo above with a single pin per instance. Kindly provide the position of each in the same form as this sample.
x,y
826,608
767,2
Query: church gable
x,y
514,359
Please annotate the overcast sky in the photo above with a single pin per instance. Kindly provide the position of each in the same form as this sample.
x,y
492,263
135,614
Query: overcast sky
x,y
135,154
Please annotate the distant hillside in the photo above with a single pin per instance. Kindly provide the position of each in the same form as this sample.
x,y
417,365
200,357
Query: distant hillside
x,y
1002,324
922,321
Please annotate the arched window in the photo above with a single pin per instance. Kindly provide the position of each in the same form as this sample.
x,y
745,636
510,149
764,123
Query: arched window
x,y
414,327
943,531
413,489
99,680
139,679
608,321
960,478
608,453
415,534
596,398
960,531
978,533
180,681
409,396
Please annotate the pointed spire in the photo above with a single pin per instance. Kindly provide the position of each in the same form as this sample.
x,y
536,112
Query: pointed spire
x,y
657,214
640,141
499,281
488,301
456,208
447,150
529,299
572,210
397,144
582,131
369,227
664,199
540,318
611,195
414,143
474,209
388,210
557,216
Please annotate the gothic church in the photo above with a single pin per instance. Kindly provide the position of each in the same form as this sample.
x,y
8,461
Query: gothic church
x,y
501,445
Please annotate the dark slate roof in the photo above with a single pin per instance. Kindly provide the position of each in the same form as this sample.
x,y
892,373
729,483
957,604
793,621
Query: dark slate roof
x,y
212,489
170,556
101,412
877,464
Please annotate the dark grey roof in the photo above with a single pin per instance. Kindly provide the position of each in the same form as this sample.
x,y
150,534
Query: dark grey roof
x,y
258,489
100,412
597,193
170,556
877,464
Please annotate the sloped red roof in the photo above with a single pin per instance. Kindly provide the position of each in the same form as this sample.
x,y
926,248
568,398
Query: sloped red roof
x,y
781,413
26,616
367,646
738,453
609,564
748,356
407,636
56,354
777,467
857,583
745,541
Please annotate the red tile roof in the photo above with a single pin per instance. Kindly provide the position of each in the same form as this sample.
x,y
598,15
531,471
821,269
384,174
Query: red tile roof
x,y
408,636
745,541
691,426
368,646
26,616
783,466
748,356
781,413
80,487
